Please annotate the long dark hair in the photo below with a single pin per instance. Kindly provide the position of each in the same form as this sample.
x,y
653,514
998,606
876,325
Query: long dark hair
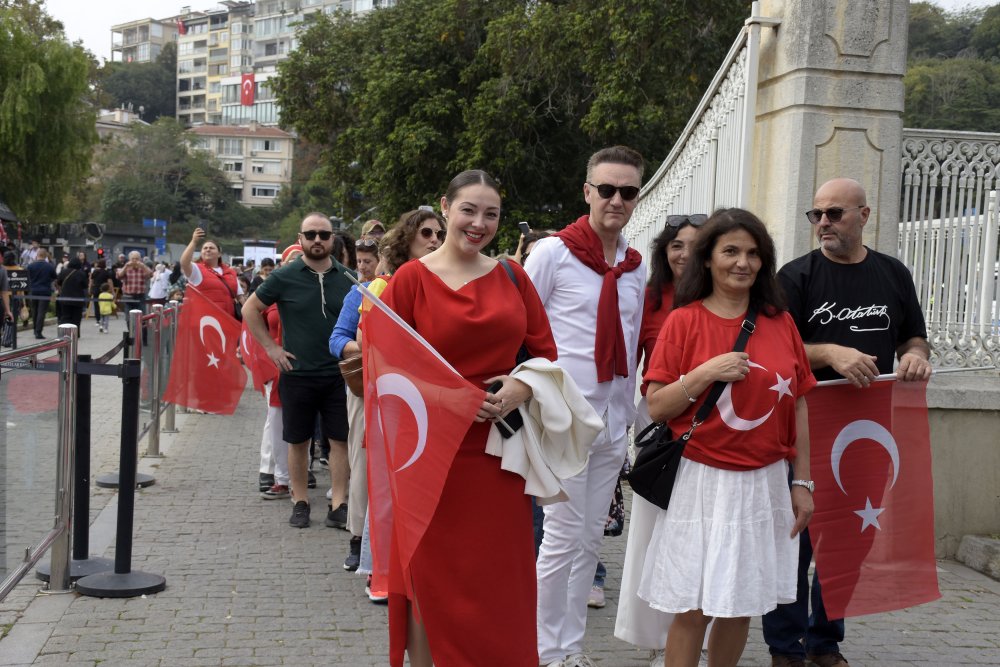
x,y
660,274
696,282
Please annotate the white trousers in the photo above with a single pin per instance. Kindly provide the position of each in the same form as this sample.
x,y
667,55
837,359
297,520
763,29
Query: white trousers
x,y
273,450
569,551
357,503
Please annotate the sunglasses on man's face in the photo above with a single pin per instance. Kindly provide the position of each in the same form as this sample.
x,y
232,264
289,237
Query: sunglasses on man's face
x,y
695,220
427,232
607,191
832,214
311,235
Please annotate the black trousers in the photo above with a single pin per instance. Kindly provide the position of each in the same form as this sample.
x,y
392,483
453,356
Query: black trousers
x,y
39,308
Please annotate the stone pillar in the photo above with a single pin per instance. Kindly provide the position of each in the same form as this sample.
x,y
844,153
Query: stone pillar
x,y
829,104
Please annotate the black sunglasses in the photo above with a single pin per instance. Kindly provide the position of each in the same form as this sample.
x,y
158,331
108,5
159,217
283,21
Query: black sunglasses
x,y
366,243
695,220
427,232
312,234
607,191
832,214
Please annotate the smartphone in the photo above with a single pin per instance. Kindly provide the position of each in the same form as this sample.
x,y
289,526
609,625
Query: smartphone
x,y
525,227
513,419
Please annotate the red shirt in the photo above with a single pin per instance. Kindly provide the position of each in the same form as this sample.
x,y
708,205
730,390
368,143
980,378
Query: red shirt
x,y
753,424
649,330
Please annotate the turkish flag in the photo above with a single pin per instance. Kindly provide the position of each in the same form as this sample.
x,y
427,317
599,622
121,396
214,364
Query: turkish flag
x,y
205,373
247,90
417,411
873,529
262,369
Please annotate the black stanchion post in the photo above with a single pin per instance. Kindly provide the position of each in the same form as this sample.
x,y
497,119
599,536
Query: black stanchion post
x,y
112,480
123,582
81,565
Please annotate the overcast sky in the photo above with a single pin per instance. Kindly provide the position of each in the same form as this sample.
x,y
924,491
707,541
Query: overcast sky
x,y
91,20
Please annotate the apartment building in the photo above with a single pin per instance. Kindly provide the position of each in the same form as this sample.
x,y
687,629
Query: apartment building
x,y
256,159
141,41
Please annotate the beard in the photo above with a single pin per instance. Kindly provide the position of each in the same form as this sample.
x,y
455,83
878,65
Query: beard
x,y
318,250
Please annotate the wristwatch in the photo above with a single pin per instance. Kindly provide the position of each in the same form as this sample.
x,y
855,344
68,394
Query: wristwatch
x,y
807,484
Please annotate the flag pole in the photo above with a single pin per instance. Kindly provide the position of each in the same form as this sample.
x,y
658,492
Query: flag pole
x,y
378,303
887,377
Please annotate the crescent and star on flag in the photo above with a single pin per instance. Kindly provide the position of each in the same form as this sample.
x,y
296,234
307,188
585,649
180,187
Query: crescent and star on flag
x,y
211,323
858,430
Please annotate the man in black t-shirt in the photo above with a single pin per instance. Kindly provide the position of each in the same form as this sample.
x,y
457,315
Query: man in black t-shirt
x,y
857,312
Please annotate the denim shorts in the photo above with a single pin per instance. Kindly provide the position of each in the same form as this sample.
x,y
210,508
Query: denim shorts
x,y
303,397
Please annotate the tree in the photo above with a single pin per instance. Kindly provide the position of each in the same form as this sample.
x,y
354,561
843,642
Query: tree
x,y
150,86
405,97
46,125
953,93
158,175
985,38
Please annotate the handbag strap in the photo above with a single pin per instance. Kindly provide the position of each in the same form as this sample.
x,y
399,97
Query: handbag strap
x,y
522,352
746,328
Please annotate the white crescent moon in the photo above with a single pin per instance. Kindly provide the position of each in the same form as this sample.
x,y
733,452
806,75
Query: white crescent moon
x,y
247,85
394,384
243,343
728,413
212,323
863,429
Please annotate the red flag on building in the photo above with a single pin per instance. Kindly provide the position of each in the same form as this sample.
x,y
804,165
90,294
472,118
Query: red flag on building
x,y
247,90
417,411
873,529
181,28
205,373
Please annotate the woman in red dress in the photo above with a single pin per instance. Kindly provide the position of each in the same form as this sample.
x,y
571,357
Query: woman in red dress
x,y
473,574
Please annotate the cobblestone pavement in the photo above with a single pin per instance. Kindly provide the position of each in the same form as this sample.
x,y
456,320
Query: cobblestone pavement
x,y
244,588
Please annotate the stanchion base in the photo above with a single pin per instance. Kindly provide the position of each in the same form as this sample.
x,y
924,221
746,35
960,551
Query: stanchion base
x,y
110,481
78,568
113,585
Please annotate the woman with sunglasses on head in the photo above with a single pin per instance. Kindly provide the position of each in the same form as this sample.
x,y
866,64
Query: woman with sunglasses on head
x,y
472,575
726,548
215,279
636,622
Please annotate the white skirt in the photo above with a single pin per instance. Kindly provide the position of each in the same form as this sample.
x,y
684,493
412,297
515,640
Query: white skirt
x,y
723,545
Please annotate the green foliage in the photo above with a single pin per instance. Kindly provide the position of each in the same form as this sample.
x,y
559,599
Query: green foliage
x,y
147,85
403,98
156,175
953,94
46,126
936,33
985,38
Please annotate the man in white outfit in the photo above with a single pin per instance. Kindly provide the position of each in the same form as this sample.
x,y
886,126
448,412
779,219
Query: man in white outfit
x,y
592,286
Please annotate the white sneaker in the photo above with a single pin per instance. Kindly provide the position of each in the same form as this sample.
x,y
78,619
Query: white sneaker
x,y
557,663
595,600
658,657
578,660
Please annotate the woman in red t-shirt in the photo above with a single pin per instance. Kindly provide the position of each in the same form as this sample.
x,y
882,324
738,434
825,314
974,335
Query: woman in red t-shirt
x,y
636,622
727,547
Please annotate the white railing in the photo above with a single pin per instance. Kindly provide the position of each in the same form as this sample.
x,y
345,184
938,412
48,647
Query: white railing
x,y
709,165
948,239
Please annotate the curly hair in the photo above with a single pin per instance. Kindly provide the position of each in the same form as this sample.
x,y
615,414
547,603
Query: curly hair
x,y
696,282
394,248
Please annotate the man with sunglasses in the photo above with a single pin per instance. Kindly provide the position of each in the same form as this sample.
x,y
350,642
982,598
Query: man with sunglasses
x,y
591,284
857,312
310,293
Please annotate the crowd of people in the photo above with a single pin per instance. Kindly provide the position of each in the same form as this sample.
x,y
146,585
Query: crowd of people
x,y
500,580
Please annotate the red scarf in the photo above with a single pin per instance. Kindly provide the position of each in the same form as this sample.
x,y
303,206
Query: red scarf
x,y
609,343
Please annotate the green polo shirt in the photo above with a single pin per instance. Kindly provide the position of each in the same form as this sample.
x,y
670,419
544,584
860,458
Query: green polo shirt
x,y
307,323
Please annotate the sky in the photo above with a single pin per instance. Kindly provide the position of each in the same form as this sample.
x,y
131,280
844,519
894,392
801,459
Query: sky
x,y
91,20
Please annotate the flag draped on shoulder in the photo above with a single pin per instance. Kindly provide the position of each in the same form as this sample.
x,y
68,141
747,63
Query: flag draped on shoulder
x,y
417,412
206,373
873,529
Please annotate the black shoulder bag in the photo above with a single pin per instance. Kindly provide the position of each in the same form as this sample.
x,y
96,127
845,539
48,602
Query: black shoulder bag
x,y
655,467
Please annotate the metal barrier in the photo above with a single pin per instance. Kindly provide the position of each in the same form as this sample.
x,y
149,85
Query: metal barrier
x,y
58,539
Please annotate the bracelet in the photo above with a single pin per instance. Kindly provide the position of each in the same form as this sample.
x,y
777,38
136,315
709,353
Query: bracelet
x,y
684,387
